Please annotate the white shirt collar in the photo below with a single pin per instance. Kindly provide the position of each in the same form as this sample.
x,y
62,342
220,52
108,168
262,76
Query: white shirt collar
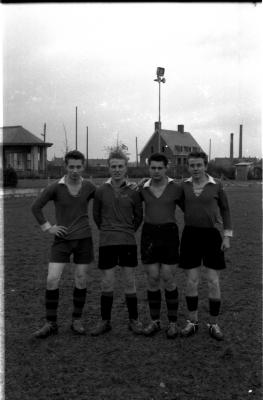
x,y
210,179
148,183
62,181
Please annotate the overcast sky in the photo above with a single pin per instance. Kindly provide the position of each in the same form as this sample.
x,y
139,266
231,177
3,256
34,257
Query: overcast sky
x,y
102,58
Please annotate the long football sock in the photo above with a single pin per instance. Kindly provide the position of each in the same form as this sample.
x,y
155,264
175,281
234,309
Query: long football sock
x,y
214,309
106,301
132,305
192,306
171,297
79,298
154,300
51,303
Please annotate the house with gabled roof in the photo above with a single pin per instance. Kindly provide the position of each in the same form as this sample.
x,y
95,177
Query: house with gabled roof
x,y
23,151
176,145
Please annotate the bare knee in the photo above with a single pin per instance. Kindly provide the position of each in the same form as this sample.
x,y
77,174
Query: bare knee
x,y
107,284
192,285
153,282
52,282
80,281
214,286
129,285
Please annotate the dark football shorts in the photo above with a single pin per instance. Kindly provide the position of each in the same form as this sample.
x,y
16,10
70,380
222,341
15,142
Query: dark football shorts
x,y
160,244
122,255
82,250
201,246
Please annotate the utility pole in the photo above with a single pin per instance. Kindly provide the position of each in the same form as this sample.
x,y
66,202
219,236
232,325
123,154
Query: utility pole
x,y
160,73
209,156
66,138
136,152
87,157
76,128
44,152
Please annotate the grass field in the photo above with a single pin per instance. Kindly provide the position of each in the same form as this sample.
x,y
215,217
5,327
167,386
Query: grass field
x,y
119,365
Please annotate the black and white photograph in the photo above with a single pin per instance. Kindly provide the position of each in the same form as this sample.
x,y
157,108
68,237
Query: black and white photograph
x,y
131,201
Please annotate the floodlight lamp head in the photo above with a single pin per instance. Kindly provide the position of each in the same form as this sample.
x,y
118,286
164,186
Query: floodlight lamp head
x,y
163,80
160,71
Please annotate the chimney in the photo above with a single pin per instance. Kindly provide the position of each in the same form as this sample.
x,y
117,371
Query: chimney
x,y
240,141
157,125
231,146
181,128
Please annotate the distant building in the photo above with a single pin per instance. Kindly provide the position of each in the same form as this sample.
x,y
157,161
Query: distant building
x,y
23,151
248,170
97,162
176,145
57,161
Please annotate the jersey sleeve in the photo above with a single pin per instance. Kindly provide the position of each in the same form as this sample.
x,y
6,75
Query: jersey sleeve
x,y
97,207
137,209
224,209
45,196
180,195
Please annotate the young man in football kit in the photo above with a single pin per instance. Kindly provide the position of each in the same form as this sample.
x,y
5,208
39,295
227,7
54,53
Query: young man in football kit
x,y
117,212
201,241
160,243
72,235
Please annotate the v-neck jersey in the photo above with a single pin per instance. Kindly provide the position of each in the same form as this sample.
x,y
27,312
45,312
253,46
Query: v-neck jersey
x,y
207,209
117,213
70,211
161,210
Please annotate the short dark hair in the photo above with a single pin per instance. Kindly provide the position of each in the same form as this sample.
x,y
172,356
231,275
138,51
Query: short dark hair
x,y
158,157
75,155
198,154
118,154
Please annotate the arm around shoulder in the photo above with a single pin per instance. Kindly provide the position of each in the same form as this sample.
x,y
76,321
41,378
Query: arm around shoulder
x,y
97,207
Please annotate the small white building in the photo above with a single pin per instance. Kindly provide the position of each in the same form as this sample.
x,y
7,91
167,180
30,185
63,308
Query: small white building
x,y
23,151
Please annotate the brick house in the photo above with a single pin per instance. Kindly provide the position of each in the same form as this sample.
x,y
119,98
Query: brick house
x,y
176,145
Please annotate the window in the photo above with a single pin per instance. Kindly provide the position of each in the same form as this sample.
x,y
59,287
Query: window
x,y
179,161
185,160
152,149
178,149
28,161
163,149
18,161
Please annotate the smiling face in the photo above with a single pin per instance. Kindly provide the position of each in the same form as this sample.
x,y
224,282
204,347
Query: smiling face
x,y
197,168
157,171
74,169
117,169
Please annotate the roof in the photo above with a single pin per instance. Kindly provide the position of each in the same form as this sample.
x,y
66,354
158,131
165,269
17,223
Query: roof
x,y
175,138
244,163
17,135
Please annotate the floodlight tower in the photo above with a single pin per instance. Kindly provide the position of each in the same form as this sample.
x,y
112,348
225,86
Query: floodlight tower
x,y
160,73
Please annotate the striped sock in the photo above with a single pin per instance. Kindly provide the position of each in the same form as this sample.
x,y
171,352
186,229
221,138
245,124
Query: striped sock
x,y
154,300
51,303
79,298
171,297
